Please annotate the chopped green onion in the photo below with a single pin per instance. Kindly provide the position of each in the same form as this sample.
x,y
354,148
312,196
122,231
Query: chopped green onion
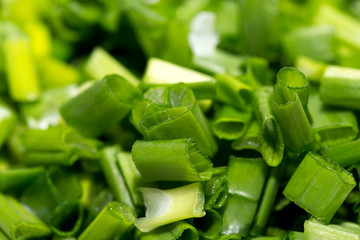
x,y
251,139
333,125
18,178
101,63
168,206
55,73
8,121
132,177
171,160
53,146
312,69
271,142
67,215
267,201
209,226
215,189
231,123
316,230
246,178
345,154
173,113
178,230
101,105
290,114
319,186
294,235
17,222
316,42
3,236
340,87
233,91
114,220
23,83
347,28
114,177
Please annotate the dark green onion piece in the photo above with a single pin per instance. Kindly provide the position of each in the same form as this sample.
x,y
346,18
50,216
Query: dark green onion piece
x,y
8,121
231,123
115,219
271,142
100,106
209,226
173,113
246,179
114,176
251,139
345,154
231,236
168,206
171,160
295,81
18,178
57,186
17,222
54,146
101,63
66,219
215,189
294,235
340,86
233,91
177,230
319,186
334,126
316,42
267,202
316,230
292,119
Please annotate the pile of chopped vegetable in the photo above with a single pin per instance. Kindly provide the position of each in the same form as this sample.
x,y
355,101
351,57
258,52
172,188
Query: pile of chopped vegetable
x,y
164,119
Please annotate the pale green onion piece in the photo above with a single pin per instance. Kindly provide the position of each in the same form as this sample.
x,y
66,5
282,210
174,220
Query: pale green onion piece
x,y
168,206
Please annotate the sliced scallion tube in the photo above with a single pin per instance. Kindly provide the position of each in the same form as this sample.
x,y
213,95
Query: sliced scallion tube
x,y
215,189
17,222
132,176
101,105
177,230
294,235
251,139
340,87
171,160
246,179
115,219
101,63
319,186
345,154
271,142
54,146
168,206
290,114
18,178
231,123
209,226
114,177
233,91
267,201
173,113
316,230
333,125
